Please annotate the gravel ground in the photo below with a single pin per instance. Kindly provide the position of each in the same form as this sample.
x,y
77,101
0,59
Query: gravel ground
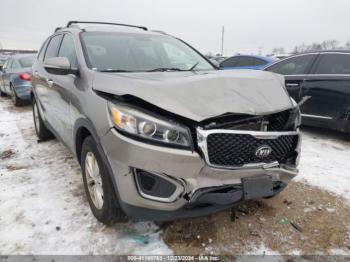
x,y
43,209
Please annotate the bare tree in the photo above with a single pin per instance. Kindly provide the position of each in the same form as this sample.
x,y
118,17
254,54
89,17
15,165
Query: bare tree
x,y
330,44
325,45
278,51
347,44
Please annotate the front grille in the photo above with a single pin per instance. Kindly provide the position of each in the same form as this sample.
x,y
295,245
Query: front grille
x,y
278,121
228,149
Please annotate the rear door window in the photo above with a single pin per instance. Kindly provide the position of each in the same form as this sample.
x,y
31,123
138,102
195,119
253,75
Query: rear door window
x,y
26,61
258,61
52,48
230,62
247,61
299,65
14,64
333,64
9,65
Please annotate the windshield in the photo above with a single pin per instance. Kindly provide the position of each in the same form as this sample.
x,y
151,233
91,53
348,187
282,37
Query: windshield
x,y
128,52
26,61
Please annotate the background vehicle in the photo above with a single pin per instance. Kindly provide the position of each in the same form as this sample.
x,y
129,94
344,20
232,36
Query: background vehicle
x,y
155,138
16,77
219,59
3,57
245,62
324,77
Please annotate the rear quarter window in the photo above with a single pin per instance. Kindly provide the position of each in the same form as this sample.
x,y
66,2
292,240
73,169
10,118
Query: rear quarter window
x,y
52,48
42,50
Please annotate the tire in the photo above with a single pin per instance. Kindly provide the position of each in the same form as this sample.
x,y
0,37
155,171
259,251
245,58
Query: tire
x,y
2,94
15,99
105,207
42,132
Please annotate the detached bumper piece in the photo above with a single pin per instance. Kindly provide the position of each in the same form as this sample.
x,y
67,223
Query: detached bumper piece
x,y
203,202
251,188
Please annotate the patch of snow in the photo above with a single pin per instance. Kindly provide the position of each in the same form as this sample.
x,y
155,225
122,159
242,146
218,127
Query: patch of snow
x,y
339,252
43,208
325,163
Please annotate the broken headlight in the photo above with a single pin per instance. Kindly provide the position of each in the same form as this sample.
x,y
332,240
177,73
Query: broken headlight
x,y
148,126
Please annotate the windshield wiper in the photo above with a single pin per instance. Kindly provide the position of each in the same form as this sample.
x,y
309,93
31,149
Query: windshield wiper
x,y
193,67
165,69
115,71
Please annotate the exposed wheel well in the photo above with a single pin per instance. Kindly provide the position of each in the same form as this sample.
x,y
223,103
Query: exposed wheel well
x,y
80,136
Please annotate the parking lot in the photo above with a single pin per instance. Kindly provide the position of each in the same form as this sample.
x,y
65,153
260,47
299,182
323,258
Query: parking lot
x,y
43,208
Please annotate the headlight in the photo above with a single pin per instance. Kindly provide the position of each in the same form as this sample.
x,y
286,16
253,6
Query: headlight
x,y
137,123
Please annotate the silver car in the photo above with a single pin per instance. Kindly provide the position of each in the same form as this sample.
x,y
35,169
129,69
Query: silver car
x,y
160,133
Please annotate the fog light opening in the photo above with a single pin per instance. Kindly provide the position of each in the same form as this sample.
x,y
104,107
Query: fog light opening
x,y
157,187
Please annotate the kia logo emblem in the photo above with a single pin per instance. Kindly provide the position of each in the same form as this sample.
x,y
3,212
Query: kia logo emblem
x,y
263,151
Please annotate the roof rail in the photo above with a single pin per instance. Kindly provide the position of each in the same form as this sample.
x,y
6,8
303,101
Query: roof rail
x,y
105,23
159,32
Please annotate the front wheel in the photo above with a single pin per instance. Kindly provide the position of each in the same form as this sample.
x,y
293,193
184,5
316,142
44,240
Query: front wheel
x,y
98,185
42,132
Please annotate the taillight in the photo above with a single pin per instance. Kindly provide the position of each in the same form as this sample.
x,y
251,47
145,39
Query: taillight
x,y
25,76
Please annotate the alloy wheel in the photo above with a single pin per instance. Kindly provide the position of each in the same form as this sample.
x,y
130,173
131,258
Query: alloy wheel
x,y
94,180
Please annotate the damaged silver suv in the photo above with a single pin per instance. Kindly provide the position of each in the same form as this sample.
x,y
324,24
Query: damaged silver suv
x,y
160,133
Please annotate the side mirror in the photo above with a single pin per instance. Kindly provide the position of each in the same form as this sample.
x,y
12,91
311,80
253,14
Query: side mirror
x,y
59,66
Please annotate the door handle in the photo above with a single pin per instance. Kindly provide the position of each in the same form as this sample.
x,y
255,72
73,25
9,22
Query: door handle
x,y
292,85
49,82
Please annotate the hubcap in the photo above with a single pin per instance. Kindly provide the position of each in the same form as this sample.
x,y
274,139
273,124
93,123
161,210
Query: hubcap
x,y
36,117
94,180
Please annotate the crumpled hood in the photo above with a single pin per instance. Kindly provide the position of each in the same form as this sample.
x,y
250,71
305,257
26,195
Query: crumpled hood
x,y
202,95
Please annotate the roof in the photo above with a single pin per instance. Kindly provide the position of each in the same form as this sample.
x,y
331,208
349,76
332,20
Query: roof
x,y
255,56
325,51
16,56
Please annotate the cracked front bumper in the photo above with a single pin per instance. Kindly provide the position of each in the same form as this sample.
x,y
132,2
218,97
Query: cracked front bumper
x,y
125,155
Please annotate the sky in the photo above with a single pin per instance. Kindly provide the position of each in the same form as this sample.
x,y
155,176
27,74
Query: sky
x,y
250,25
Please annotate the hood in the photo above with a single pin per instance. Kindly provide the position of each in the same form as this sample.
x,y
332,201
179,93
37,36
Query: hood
x,y
202,95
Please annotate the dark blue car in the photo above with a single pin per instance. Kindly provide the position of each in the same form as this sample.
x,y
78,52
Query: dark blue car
x,y
246,62
15,78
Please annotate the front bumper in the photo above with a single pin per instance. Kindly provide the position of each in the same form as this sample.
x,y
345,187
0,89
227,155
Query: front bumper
x,y
188,168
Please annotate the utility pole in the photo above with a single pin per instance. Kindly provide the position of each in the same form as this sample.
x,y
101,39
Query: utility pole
x,y
222,40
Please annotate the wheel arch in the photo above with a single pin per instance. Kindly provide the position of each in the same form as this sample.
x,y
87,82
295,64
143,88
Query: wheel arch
x,y
82,129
